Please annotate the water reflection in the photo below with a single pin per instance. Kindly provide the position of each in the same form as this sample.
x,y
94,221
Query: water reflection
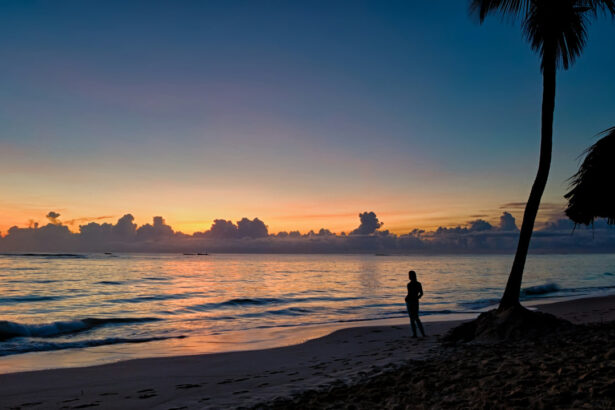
x,y
234,296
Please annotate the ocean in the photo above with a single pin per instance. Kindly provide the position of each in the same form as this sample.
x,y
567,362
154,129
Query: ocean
x,y
82,309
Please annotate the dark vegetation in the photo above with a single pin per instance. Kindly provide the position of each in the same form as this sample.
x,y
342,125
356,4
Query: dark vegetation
x,y
592,195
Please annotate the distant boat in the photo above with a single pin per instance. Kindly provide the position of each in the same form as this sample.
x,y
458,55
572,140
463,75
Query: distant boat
x,y
108,253
203,254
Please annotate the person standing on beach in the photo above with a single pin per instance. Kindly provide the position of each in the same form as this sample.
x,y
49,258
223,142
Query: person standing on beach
x,y
415,291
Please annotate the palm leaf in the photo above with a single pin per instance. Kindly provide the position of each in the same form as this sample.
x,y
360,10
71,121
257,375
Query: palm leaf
x,y
556,29
592,195
507,8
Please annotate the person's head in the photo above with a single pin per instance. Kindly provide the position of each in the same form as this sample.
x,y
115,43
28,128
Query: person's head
x,y
412,275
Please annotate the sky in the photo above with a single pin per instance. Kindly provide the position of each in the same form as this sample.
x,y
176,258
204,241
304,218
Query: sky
x,y
301,114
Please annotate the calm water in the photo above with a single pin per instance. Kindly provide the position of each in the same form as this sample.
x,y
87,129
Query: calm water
x,y
72,304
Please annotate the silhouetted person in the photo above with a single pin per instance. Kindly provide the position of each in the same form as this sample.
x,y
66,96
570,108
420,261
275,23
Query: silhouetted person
x,y
415,291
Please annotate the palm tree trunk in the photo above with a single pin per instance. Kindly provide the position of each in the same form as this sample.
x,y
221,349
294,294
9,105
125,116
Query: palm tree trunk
x,y
513,286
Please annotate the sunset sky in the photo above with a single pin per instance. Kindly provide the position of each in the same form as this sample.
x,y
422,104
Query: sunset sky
x,y
302,115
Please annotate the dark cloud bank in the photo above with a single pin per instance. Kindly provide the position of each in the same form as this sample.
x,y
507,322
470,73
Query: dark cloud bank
x,y
252,235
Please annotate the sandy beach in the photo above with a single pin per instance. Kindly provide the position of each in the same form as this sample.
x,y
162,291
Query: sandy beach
x,y
347,367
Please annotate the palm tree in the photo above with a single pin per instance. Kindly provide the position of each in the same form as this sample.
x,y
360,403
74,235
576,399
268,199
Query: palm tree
x,y
591,195
556,30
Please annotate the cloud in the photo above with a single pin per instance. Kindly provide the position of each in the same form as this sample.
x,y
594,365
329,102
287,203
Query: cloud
x,y
551,209
252,235
86,219
125,227
245,228
480,225
156,231
222,229
252,228
53,217
507,222
369,224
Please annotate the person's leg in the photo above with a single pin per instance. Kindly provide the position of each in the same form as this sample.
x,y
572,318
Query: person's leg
x,y
418,321
420,325
412,325
413,308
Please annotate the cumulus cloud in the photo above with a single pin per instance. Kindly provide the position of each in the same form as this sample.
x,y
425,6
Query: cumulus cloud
x,y
480,225
369,224
222,229
156,231
125,227
252,228
245,228
507,222
252,235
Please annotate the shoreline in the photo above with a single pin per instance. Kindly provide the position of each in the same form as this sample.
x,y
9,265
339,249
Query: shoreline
x,y
239,341
231,379
227,342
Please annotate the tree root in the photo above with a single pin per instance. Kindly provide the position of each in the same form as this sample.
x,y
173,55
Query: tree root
x,y
510,324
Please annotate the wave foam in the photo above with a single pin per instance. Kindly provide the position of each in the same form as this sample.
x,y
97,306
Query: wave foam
x,y
38,346
9,330
541,289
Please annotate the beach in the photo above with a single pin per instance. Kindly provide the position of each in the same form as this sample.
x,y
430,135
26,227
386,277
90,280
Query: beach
x,y
349,366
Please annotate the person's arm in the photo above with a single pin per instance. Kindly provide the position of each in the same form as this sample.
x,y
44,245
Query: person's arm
x,y
420,290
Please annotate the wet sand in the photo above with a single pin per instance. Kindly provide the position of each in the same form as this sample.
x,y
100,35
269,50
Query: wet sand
x,y
355,366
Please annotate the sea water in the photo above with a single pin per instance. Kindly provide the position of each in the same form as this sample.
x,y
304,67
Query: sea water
x,y
56,308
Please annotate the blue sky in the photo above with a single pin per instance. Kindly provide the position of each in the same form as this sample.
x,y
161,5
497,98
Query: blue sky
x,y
300,113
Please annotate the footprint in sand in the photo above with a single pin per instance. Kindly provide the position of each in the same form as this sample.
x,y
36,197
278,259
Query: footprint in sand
x,y
187,386
147,393
83,406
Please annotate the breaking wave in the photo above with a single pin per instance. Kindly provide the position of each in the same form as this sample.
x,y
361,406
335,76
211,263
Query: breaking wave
x,y
541,289
9,330
44,346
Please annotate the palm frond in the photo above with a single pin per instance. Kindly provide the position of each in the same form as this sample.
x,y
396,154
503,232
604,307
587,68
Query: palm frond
x,y
591,192
507,8
556,29
598,6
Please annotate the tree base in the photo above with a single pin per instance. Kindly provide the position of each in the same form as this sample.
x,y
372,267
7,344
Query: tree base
x,y
510,324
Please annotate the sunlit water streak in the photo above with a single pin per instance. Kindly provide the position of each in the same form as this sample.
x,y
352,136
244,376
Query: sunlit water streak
x,y
79,303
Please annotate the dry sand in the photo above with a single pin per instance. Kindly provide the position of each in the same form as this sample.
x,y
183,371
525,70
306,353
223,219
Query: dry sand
x,y
351,367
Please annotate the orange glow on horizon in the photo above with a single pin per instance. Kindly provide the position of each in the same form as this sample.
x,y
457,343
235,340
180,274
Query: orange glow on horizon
x,y
396,222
